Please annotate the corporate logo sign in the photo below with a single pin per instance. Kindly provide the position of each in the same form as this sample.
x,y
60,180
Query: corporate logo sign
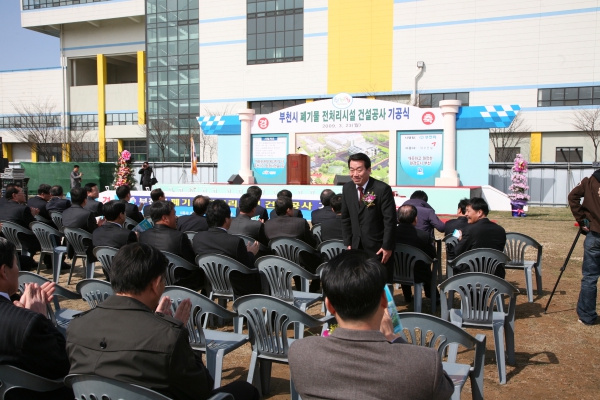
x,y
343,113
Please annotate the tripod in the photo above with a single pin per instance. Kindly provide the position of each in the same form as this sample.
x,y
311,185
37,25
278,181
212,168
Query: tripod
x,y
562,269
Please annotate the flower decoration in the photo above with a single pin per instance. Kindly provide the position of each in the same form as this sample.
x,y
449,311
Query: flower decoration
x,y
369,199
124,171
519,180
329,331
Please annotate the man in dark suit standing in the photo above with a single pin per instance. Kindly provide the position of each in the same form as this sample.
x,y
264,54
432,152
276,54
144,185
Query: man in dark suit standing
x,y
155,195
131,210
460,223
28,340
57,203
480,233
332,228
262,213
295,212
41,201
325,213
196,221
216,240
112,233
165,237
407,233
76,177
92,204
369,213
243,223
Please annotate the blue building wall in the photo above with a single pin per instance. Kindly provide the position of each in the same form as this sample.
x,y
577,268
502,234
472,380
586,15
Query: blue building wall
x,y
230,148
472,158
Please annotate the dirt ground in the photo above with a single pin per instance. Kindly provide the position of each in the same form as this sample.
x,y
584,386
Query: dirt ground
x,y
556,357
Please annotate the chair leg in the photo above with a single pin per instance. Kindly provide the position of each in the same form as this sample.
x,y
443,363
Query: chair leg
x,y
214,363
433,295
538,278
56,263
254,373
418,298
293,392
456,393
73,261
529,284
40,262
500,355
265,375
89,268
509,336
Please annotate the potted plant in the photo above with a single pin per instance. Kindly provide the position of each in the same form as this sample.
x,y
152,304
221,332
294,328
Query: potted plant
x,y
518,197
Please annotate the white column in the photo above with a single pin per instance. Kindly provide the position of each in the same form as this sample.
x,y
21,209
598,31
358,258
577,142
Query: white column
x,y
246,116
448,175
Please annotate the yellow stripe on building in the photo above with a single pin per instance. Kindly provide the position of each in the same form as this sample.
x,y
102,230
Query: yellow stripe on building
x,y
535,147
7,151
360,41
101,60
66,152
141,78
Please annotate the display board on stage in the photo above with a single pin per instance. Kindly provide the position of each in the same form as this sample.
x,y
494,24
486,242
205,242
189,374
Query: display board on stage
x,y
420,156
269,154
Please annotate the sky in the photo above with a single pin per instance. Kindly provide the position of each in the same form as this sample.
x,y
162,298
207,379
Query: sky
x,y
22,48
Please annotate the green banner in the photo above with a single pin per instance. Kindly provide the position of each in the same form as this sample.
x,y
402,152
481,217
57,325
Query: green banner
x,y
59,173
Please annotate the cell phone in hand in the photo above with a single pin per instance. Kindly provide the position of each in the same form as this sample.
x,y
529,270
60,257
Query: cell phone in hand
x,y
392,310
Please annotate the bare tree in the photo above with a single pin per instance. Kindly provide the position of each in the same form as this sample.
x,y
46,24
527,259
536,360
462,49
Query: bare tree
x,y
184,142
505,140
39,126
207,144
588,121
162,132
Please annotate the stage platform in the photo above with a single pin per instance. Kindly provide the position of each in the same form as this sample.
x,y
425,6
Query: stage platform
x,y
306,197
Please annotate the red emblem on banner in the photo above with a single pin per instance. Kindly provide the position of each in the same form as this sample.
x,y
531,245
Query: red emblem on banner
x,y
263,123
428,118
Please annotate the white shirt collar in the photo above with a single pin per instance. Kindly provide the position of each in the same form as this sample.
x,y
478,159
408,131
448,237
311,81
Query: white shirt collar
x,y
365,185
5,295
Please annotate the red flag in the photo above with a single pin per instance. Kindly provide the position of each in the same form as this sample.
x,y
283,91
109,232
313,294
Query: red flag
x,y
193,156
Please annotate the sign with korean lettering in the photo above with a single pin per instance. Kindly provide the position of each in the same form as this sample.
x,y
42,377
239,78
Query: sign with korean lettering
x,y
347,114
269,155
420,155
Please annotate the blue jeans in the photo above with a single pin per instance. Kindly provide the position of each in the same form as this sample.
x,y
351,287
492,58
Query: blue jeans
x,y
590,270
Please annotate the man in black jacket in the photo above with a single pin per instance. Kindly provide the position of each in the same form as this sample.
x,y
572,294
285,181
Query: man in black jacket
x,y
57,203
407,233
28,340
216,240
146,176
165,237
243,224
295,212
131,210
480,233
92,203
41,201
325,213
262,213
112,233
155,195
195,222
332,228
459,223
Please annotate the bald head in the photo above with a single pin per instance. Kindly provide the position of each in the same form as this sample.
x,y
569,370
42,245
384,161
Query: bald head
x,y
407,214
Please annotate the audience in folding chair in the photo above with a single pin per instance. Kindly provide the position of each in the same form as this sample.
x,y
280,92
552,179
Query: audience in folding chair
x,y
112,233
196,221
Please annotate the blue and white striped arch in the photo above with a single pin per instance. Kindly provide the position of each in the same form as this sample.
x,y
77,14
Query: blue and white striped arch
x,y
478,117
220,125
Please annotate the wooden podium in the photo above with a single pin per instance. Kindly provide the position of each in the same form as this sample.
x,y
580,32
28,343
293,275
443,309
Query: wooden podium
x,y
298,169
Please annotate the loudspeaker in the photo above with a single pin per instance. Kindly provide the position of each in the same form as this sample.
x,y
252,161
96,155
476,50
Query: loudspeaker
x,y
341,179
235,180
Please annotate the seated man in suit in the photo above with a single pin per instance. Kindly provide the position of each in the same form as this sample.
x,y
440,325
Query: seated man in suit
x,y
4,200
131,210
407,233
460,223
325,213
133,337
77,217
480,233
112,233
165,237
195,222
295,212
243,223
15,210
428,220
28,339
41,201
92,203
262,213
155,195
353,286
332,228
57,203
216,240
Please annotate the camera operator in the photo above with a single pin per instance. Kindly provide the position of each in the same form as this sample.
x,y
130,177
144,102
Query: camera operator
x,y
587,215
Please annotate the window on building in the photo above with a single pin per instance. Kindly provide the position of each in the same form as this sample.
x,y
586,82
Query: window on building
x,y
569,154
506,154
122,119
31,121
571,96
35,4
267,107
137,148
275,31
84,122
432,100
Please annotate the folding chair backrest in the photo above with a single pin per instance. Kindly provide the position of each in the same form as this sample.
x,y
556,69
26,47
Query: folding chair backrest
x,y
481,260
516,244
279,272
10,230
175,263
46,235
217,267
105,255
94,291
190,235
316,230
248,240
268,320
405,258
331,248
39,218
97,387
75,238
290,248
14,378
57,219
129,223
478,294
201,305
450,241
